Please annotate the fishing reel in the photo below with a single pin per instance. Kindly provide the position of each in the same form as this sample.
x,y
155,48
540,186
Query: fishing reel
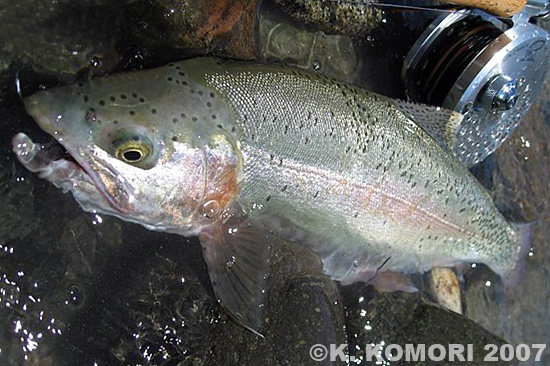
x,y
487,68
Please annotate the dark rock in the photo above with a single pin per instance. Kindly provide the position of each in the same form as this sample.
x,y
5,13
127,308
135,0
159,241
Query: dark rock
x,y
61,38
334,17
402,318
217,27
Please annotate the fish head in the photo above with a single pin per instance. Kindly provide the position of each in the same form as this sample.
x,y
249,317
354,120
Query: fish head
x,y
139,142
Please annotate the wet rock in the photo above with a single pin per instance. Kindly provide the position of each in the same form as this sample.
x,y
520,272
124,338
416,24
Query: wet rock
x,y
282,40
147,306
446,289
61,38
220,27
334,17
401,318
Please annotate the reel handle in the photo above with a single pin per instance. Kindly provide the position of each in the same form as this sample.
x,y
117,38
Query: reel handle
x,y
505,8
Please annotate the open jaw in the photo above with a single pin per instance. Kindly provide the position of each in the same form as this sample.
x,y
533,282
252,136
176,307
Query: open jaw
x,y
68,173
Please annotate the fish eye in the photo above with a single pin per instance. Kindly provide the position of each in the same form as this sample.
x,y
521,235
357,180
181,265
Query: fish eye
x,y
133,151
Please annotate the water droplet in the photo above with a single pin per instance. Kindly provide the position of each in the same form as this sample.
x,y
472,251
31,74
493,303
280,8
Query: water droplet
x,y
75,296
316,65
231,262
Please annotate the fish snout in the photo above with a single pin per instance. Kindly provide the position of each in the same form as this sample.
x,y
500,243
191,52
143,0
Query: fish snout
x,y
38,106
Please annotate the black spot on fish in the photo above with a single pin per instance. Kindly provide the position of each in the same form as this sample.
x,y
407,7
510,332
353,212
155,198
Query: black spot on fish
x,y
214,116
267,198
86,98
209,104
220,127
123,96
91,116
169,78
154,111
182,115
201,92
101,102
142,100
316,194
175,120
115,122
212,95
134,95
284,188
194,119
175,138
112,98
132,113
181,73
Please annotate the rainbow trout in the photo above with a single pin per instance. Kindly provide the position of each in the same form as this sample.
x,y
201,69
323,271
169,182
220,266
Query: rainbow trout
x,y
239,153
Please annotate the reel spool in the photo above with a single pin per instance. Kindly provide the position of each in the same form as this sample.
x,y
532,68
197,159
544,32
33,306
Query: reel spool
x,y
488,69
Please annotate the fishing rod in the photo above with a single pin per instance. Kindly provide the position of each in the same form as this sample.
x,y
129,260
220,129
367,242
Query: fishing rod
x,y
436,8
503,8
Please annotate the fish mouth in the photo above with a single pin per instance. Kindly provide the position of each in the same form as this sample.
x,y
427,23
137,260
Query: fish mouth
x,y
82,159
100,176
56,163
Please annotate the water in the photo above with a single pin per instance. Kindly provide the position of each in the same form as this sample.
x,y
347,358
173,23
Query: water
x,y
84,289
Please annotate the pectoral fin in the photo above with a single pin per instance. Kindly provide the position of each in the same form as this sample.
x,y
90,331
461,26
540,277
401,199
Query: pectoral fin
x,y
237,256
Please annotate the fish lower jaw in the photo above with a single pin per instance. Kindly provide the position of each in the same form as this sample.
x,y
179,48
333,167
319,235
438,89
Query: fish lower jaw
x,y
66,174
